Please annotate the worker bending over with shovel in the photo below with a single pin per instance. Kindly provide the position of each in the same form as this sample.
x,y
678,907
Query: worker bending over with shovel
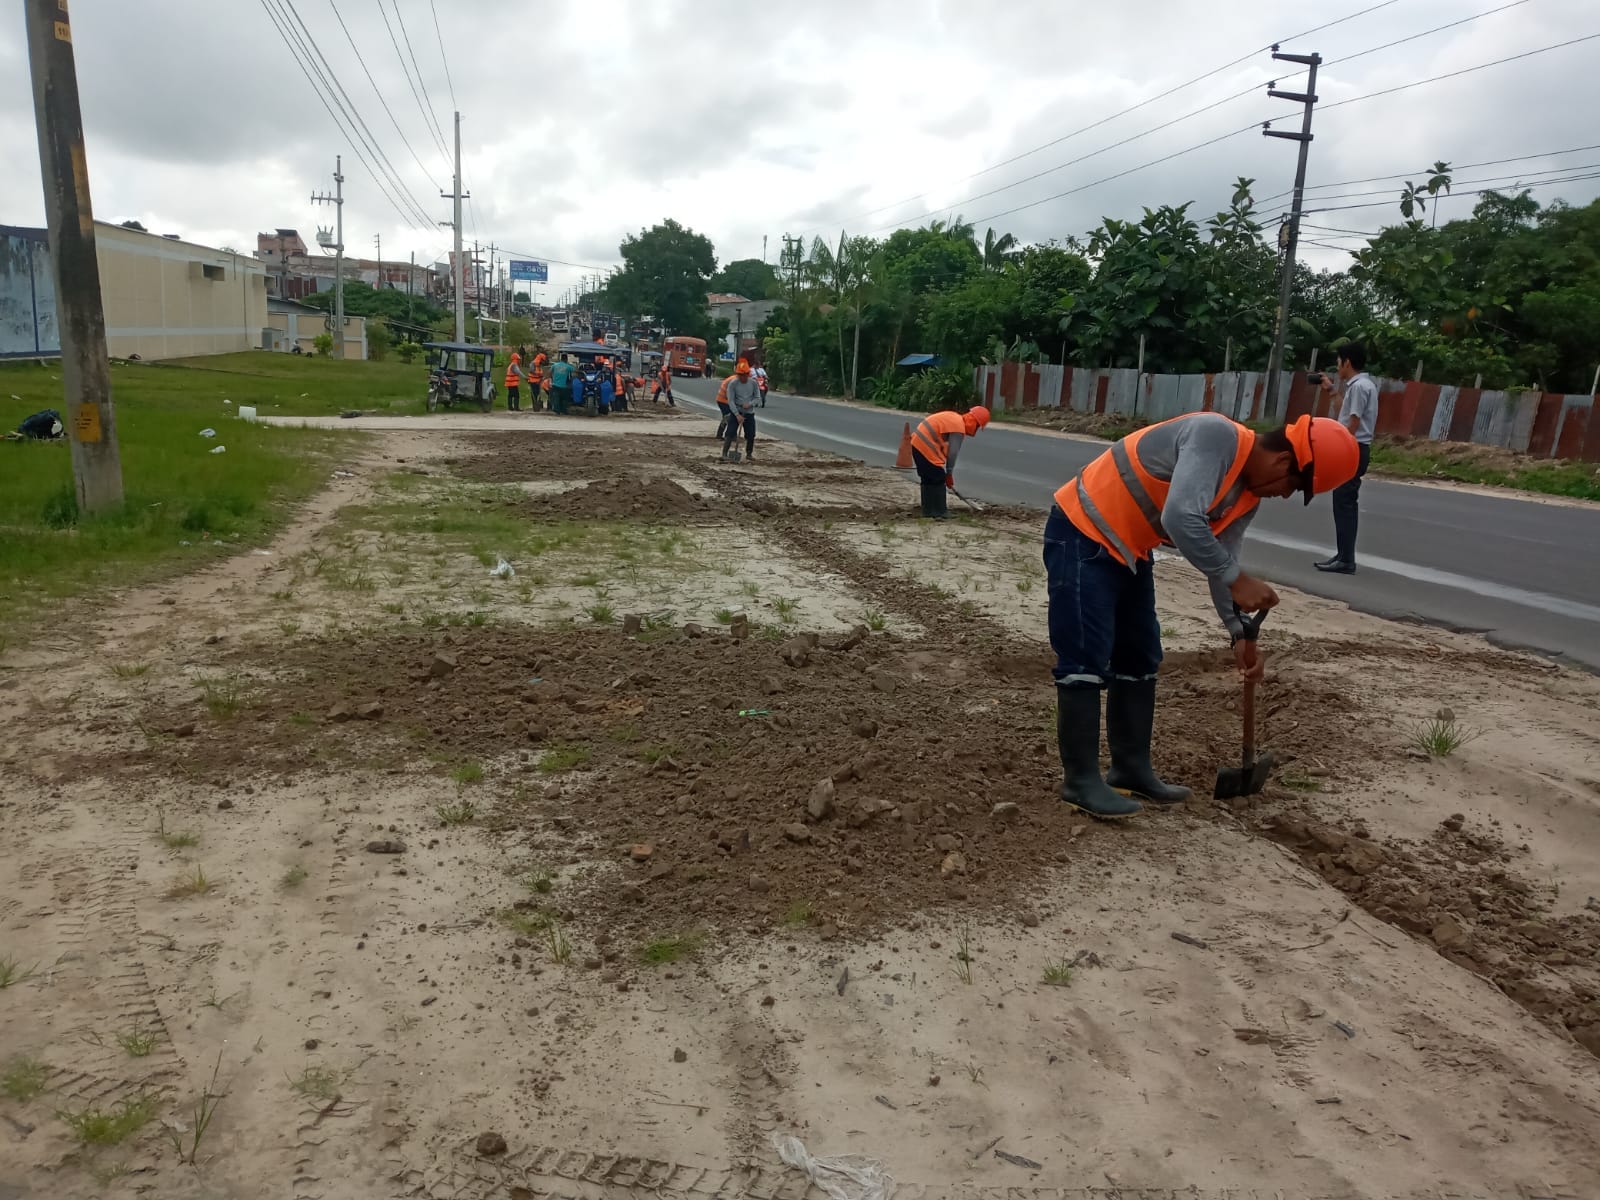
x,y
743,393
1193,483
934,447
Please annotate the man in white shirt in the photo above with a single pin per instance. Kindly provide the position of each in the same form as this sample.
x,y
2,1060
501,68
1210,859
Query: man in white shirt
x,y
761,382
1357,410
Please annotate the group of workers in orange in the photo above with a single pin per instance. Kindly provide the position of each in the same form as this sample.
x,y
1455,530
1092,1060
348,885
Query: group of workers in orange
x,y
1192,482
550,384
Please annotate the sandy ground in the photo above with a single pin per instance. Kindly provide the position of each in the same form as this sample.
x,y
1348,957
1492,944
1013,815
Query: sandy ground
x,y
358,871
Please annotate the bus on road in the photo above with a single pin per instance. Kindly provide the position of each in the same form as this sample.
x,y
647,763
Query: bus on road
x,y
686,355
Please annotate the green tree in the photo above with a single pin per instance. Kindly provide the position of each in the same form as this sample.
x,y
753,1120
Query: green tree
x,y
665,272
323,344
997,249
377,340
747,277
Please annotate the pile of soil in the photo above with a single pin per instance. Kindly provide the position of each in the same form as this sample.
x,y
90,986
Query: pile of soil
x,y
619,498
1101,425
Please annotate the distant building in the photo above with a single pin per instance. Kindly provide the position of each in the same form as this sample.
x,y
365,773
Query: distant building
x,y
291,324
293,272
163,297
738,310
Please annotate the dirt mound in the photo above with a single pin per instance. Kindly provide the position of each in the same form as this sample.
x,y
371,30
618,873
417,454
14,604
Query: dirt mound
x,y
624,497
1454,892
534,454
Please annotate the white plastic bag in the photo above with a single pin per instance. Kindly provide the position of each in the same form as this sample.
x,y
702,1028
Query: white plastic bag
x,y
220,450
208,433
503,570
842,1176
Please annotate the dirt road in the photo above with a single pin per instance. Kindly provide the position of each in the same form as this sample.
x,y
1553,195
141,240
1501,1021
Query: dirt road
x,y
365,866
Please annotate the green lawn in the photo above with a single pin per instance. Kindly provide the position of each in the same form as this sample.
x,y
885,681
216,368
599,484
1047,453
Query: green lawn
x,y
185,505
1553,477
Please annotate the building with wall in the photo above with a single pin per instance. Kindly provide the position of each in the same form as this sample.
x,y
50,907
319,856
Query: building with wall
x,y
163,297
291,324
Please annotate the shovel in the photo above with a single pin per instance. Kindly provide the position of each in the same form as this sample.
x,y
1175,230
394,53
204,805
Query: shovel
x,y
1251,775
972,504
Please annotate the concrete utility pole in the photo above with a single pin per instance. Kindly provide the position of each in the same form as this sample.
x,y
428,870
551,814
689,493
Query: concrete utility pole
x,y
85,365
377,240
1290,237
337,200
460,266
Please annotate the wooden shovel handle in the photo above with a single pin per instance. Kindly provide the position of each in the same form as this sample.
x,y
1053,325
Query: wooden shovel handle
x,y
1247,710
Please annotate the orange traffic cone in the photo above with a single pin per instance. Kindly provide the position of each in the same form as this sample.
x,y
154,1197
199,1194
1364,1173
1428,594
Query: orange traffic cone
x,y
903,459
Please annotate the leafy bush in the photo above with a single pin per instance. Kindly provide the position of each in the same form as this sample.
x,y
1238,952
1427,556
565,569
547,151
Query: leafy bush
x,y
407,351
378,340
940,387
324,344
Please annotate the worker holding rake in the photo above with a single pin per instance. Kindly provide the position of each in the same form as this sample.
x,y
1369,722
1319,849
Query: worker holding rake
x,y
1192,482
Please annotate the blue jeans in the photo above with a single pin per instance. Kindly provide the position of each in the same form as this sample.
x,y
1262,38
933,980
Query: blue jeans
x,y
1103,622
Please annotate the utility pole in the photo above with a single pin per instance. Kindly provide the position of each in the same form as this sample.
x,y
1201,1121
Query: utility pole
x,y
459,266
377,240
1289,235
85,364
411,284
337,200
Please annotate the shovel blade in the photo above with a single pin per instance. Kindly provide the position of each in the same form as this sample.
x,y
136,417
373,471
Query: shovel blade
x,y
1244,781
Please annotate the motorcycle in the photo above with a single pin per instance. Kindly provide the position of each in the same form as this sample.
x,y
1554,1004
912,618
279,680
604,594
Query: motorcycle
x,y
763,382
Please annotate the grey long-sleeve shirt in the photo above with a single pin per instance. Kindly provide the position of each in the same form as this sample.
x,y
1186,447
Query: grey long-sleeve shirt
x,y
743,394
952,447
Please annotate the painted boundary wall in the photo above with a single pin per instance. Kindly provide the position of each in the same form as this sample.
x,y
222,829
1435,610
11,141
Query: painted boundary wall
x,y
27,295
1543,424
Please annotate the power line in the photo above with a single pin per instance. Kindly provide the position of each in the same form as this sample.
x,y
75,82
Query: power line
x,y
286,33
1492,180
1214,104
1131,109
423,83
1402,175
1464,71
346,104
445,58
379,94
1473,192
427,119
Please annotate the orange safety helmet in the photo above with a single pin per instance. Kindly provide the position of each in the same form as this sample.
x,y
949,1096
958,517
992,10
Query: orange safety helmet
x,y
1326,453
539,358
975,418
743,367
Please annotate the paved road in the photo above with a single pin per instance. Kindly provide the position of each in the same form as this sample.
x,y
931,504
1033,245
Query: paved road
x,y
1524,573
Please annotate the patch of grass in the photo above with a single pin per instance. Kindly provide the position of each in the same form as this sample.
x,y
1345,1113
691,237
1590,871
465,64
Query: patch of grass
x,y
964,954
289,626
875,620
131,670
1551,477
587,579
1441,735
201,1113
137,1043
173,839
723,616
1024,586
197,884
1299,781
1057,973
12,972
393,607
539,881
563,756
459,812
317,1083
223,695
24,1078
302,719
95,1126
654,754
558,944
292,878
625,733
467,773
527,924
784,607
601,614
750,588
672,948
176,490
799,913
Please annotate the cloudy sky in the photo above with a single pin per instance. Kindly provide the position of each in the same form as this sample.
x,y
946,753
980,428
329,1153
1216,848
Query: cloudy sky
x,y
746,120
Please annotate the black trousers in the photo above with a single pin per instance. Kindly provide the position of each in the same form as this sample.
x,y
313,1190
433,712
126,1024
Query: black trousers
x,y
1347,511
927,472
513,398
748,420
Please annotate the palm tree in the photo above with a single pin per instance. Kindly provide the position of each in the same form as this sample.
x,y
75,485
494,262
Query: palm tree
x,y
997,249
1413,199
1438,181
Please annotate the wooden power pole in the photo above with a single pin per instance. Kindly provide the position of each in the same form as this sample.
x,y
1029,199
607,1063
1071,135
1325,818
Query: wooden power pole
x,y
85,365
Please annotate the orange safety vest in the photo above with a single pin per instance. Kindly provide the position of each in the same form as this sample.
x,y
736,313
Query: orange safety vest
x,y
535,375
1116,501
511,376
722,390
932,435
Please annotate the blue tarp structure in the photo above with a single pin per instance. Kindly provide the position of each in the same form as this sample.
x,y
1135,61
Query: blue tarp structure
x,y
919,360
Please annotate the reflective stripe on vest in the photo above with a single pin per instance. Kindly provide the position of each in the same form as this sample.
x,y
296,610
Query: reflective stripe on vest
x,y
1116,501
930,436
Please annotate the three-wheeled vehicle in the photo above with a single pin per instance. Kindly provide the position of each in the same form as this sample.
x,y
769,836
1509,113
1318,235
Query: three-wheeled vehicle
x,y
594,388
459,373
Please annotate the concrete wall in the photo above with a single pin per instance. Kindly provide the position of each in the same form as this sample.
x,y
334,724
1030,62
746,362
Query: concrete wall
x,y
289,327
1544,424
163,298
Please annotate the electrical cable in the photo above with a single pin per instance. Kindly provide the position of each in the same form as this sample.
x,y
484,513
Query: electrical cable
x,y
1589,37
1473,192
401,18
346,104
1402,175
285,33
377,92
415,95
445,58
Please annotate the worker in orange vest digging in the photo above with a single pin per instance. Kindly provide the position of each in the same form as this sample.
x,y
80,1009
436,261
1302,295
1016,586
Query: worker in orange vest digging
x,y
934,447
664,384
722,406
1193,483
